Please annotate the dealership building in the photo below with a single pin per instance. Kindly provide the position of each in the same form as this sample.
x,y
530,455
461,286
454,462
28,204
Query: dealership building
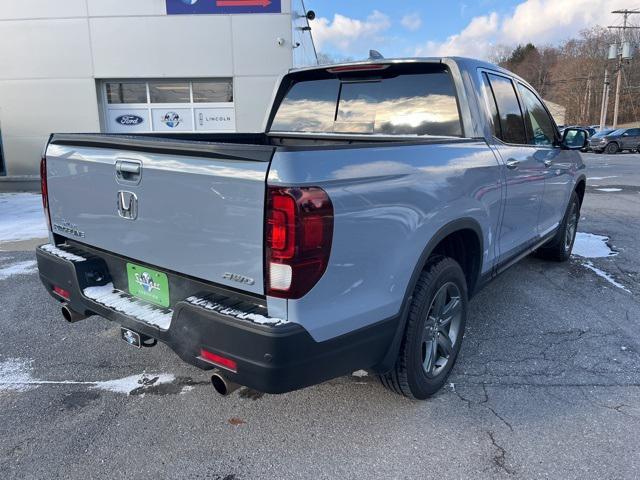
x,y
138,66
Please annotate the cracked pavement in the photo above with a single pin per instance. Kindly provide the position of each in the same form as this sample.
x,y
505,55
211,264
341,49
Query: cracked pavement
x,y
547,386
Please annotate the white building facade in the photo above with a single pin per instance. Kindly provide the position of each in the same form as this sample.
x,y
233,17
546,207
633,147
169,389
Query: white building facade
x,y
139,66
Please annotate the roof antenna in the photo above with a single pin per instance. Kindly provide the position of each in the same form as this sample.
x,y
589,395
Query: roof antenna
x,y
375,55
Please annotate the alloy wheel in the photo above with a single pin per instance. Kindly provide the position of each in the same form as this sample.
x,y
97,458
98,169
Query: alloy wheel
x,y
572,227
442,326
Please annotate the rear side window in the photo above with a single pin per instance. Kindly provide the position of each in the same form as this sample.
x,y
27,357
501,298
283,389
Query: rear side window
x,y
509,112
406,104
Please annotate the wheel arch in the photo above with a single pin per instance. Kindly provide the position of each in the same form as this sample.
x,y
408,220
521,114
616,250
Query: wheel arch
x,y
580,188
455,231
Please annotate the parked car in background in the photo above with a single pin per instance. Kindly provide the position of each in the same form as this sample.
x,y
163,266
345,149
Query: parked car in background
x,y
598,135
616,141
349,234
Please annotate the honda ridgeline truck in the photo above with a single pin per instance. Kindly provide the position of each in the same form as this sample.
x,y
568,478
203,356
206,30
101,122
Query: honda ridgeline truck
x,y
349,235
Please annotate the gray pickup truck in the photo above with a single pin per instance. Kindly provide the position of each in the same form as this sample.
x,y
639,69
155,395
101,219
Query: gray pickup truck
x,y
349,235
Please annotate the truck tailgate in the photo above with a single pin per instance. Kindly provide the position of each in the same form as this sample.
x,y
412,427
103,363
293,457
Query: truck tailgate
x,y
194,208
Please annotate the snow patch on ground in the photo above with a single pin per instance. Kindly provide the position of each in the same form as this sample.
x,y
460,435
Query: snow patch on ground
x,y
589,245
602,178
109,297
21,217
16,376
186,389
253,317
58,252
605,275
609,189
21,268
134,382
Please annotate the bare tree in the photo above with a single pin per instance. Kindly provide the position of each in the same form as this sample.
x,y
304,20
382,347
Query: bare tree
x,y
572,74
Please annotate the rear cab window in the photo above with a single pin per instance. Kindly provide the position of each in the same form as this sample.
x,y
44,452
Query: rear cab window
x,y
392,100
506,111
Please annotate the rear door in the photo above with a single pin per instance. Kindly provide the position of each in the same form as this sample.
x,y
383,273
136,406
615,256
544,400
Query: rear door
x,y
189,207
559,164
631,139
524,172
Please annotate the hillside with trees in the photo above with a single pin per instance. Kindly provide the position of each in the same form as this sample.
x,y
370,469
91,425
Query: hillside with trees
x,y
572,74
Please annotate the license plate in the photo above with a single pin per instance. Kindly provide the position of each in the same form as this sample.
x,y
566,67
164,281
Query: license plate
x,y
148,284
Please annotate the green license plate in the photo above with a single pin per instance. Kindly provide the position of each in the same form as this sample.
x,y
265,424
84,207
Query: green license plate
x,y
148,284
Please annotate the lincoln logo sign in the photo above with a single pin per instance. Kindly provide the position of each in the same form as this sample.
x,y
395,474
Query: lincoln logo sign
x,y
129,120
224,7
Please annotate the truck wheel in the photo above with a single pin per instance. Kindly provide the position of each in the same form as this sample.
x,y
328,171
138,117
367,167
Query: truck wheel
x,y
559,248
611,148
434,331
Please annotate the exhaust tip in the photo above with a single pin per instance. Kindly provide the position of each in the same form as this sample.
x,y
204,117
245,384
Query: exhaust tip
x,y
223,386
66,313
71,315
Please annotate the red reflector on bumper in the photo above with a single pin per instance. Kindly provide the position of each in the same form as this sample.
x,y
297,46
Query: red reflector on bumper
x,y
61,292
218,360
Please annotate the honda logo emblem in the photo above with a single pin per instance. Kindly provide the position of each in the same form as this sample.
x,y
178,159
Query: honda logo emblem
x,y
127,205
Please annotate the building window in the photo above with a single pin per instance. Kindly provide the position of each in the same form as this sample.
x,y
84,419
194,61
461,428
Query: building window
x,y
170,92
122,92
175,105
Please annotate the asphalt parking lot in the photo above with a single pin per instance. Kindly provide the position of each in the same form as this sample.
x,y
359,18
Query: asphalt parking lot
x,y
547,385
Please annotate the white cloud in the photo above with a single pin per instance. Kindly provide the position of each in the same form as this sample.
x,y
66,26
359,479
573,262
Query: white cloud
x,y
411,22
349,35
537,21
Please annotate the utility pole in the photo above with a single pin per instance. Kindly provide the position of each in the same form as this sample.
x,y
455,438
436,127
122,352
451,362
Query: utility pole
x,y
587,103
620,57
605,100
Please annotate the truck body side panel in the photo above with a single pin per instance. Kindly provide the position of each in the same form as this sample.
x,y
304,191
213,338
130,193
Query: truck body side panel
x,y
389,201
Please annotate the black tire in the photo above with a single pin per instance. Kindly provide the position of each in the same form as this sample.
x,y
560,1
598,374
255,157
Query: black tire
x,y
560,247
411,376
611,148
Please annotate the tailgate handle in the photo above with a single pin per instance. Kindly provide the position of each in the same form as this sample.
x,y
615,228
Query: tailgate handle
x,y
128,171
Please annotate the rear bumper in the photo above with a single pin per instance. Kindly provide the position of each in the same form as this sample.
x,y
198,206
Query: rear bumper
x,y
271,359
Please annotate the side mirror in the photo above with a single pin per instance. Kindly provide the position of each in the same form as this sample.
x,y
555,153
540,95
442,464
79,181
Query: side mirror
x,y
574,139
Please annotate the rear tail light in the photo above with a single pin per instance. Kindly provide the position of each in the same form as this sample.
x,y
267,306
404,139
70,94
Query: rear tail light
x,y
44,189
299,231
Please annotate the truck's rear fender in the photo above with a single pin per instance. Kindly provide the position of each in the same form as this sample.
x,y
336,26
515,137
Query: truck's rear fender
x,y
389,204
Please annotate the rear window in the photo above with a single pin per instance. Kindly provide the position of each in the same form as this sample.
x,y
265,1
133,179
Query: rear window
x,y
404,104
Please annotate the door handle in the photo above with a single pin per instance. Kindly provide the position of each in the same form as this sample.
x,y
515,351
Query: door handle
x,y
548,163
129,167
128,171
512,164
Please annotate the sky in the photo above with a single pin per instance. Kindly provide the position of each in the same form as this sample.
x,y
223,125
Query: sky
x,y
406,28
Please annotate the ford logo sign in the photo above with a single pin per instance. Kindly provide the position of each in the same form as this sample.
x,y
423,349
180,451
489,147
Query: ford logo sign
x,y
129,120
